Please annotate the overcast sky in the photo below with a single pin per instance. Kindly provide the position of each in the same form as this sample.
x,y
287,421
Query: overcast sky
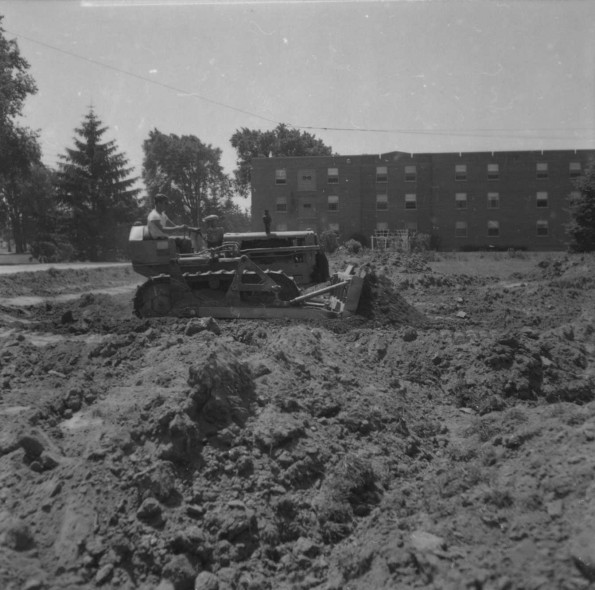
x,y
365,77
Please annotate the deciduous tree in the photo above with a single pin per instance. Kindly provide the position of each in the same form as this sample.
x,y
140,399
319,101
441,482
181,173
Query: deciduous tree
x,y
581,227
96,186
189,172
15,83
281,141
19,152
19,149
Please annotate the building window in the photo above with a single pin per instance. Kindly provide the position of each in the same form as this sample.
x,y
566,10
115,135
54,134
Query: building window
x,y
381,202
461,172
411,226
381,174
281,205
410,201
332,175
333,203
381,228
493,229
460,229
542,228
493,171
493,200
306,180
410,173
542,171
281,176
461,201
542,200
574,169
333,227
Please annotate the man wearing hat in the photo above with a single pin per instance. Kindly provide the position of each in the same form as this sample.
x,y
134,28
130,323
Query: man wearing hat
x,y
213,234
161,227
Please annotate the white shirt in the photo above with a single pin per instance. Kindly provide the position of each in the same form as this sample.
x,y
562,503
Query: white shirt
x,y
154,228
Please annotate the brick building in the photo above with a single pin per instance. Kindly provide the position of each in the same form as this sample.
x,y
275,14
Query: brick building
x,y
464,200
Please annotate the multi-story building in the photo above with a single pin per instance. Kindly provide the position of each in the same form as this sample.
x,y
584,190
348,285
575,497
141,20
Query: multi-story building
x,y
463,200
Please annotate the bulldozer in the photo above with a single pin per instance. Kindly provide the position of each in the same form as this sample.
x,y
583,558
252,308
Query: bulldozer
x,y
251,275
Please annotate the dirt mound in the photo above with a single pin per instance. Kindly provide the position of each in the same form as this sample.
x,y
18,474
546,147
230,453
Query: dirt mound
x,y
447,445
381,302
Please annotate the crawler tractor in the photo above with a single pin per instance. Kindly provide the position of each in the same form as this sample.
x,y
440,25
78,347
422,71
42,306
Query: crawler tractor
x,y
252,275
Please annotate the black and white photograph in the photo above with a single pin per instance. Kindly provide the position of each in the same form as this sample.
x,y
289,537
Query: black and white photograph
x,y
297,295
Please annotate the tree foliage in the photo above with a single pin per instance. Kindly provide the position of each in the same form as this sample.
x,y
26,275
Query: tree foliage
x,y
189,172
95,186
15,83
581,227
19,148
281,141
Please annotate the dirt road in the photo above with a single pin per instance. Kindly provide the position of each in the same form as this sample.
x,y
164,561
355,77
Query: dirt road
x,y
445,439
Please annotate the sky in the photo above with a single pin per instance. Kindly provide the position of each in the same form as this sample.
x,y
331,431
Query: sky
x,y
366,77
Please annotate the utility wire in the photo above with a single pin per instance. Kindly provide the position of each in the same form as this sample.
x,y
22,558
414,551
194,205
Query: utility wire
x,y
139,77
499,133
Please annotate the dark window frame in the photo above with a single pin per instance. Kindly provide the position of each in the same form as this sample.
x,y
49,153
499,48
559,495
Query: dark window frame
x,y
281,180
461,175
411,204
540,200
493,174
458,230
382,177
493,232
461,204
542,174
383,202
490,199
334,205
410,176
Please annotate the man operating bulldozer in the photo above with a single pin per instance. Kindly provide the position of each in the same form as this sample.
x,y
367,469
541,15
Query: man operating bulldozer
x,y
213,233
161,227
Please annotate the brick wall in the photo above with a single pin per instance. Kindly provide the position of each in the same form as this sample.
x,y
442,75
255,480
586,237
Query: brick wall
x,y
466,200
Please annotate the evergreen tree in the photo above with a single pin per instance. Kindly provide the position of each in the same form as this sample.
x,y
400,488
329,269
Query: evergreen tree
x,y
581,228
94,184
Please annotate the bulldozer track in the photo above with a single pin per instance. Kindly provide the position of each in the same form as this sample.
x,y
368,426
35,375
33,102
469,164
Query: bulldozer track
x,y
165,295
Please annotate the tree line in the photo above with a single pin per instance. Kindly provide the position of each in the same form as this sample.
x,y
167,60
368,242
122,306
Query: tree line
x,y
83,208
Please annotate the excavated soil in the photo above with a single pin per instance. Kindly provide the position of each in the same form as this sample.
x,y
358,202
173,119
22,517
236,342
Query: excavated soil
x,y
442,439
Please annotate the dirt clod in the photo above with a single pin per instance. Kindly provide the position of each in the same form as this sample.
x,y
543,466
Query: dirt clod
x,y
443,438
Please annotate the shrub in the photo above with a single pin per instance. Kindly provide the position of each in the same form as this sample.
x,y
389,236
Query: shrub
x,y
353,246
361,238
52,250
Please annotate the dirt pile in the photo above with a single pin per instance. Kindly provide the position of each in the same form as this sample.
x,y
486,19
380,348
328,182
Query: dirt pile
x,y
445,439
382,302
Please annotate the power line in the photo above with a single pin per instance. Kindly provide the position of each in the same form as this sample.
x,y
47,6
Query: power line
x,y
493,133
139,77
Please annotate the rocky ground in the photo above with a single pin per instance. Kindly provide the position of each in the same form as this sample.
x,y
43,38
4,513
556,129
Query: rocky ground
x,y
445,439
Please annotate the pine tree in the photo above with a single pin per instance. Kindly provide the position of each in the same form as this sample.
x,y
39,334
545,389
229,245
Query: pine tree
x,y
94,184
